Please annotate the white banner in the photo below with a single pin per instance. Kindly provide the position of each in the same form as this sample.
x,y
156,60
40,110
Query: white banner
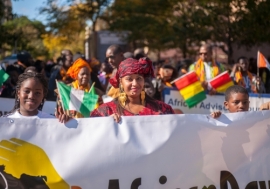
x,y
142,152
210,104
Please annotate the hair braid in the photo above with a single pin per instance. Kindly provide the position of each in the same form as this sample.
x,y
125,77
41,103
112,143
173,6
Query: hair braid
x,y
27,75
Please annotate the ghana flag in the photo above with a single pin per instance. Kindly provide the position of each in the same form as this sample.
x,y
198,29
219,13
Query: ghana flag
x,y
190,88
221,82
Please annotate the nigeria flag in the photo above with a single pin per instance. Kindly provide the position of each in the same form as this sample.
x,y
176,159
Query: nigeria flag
x,y
3,76
78,100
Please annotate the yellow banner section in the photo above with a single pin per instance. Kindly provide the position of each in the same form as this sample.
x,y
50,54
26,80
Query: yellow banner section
x,y
18,154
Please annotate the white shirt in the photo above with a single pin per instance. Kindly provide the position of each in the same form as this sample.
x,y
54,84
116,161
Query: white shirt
x,y
40,114
207,69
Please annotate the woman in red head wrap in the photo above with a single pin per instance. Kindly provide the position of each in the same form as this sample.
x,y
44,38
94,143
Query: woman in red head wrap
x,y
132,100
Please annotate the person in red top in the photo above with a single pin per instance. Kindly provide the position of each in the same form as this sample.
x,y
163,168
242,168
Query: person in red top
x,y
132,100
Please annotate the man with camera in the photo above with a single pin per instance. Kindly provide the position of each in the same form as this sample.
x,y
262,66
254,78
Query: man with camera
x,y
246,79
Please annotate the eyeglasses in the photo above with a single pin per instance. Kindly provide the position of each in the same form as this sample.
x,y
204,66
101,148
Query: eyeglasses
x,y
202,53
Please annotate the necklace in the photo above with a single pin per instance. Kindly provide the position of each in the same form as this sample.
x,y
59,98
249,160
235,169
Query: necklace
x,y
28,115
129,109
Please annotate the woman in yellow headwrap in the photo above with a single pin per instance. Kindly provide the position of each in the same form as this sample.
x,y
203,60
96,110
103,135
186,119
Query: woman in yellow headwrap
x,y
80,72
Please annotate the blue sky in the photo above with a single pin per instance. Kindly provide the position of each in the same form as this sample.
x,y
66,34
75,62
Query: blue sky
x,y
29,8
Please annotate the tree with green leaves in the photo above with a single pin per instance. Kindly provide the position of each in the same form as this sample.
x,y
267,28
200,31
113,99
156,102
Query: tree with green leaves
x,y
67,22
5,15
146,21
24,34
240,22
253,28
65,28
159,24
163,24
182,23
91,10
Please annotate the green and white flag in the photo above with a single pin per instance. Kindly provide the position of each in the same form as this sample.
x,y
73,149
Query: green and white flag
x,y
78,100
3,76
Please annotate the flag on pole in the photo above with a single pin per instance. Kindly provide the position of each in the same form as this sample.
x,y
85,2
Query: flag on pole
x,y
78,100
221,82
262,61
3,76
190,88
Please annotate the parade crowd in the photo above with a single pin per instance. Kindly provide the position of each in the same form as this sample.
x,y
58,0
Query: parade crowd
x,y
131,80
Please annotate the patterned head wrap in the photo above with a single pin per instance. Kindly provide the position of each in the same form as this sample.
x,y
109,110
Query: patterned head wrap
x,y
74,70
130,66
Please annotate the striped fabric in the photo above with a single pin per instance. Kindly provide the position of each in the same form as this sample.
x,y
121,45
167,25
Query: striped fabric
x,y
190,88
78,100
262,61
3,76
221,82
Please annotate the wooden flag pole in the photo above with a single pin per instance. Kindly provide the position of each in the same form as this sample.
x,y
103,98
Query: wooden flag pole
x,y
92,87
258,60
61,101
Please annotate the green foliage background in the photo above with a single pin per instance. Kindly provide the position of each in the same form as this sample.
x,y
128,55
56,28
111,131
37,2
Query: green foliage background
x,y
158,24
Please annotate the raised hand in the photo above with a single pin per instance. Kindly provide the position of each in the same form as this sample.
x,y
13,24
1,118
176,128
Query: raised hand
x,y
216,114
62,117
116,117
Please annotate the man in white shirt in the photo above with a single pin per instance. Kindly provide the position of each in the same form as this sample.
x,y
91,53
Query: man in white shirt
x,y
206,67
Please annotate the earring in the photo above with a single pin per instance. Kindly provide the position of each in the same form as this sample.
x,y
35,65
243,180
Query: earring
x,y
143,97
42,102
17,104
122,96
